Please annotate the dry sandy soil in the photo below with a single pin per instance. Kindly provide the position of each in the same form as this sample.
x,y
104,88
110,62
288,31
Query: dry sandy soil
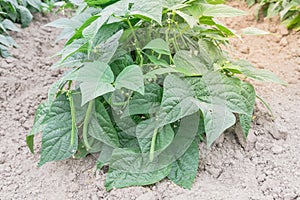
x,y
267,167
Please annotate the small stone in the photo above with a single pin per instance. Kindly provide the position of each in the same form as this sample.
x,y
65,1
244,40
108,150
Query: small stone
x,y
283,42
283,30
276,149
245,50
278,132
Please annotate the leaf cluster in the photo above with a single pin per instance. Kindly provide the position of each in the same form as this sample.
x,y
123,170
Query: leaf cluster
x,y
146,82
288,10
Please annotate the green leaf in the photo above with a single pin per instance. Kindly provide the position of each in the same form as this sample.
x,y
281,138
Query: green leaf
x,y
184,170
38,125
160,71
104,156
9,25
257,74
164,137
56,139
177,101
131,78
120,179
147,103
221,10
148,9
101,128
217,89
191,20
104,51
189,64
25,16
218,97
159,46
248,92
96,78
254,31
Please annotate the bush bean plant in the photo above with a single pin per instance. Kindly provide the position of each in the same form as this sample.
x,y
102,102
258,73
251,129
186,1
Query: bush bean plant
x,y
145,82
19,11
288,10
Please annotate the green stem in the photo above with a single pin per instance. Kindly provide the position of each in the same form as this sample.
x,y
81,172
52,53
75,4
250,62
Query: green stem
x,y
136,43
152,148
86,124
73,114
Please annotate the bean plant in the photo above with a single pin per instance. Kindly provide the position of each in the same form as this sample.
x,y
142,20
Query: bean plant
x,y
288,10
144,83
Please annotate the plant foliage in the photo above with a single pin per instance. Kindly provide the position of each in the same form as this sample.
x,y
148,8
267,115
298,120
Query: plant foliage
x,y
146,81
288,10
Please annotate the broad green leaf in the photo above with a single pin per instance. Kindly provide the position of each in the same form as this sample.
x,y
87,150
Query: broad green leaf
x,y
257,74
131,78
158,62
218,97
104,51
101,128
132,160
9,25
209,53
164,137
159,46
254,31
217,89
191,20
25,16
147,103
184,170
56,139
64,23
37,4
217,119
248,92
120,179
104,156
177,101
148,9
189,64
160,71
96,78
38,126
221,10
4,41
71,49
121,63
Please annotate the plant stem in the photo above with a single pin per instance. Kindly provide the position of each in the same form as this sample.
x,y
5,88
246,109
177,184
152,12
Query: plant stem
x,y
73,114
136,43
152,148
86,124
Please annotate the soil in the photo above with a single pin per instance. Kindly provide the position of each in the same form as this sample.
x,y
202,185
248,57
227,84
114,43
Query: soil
x,y
266,167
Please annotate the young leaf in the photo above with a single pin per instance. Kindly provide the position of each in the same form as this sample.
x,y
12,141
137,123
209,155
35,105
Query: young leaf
x,y
101,128
189,64
25,15
147,103
159,46
131,78
177,101
120,179
184,170
222,11
104,51
56,139
248,92
96,78
38,125
148,9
